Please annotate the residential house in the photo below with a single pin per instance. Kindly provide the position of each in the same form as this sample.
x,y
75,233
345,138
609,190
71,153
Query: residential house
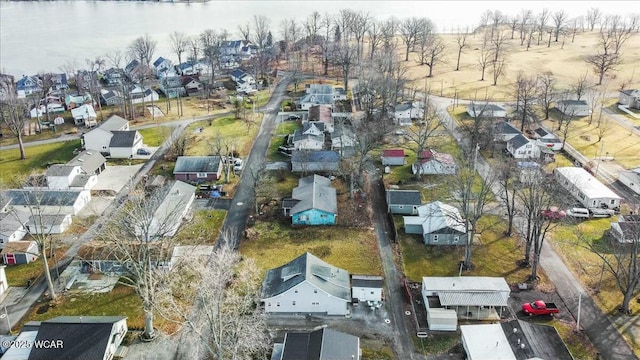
x,y
392,157
314,161
310,137
438,223
114,76
28,85
125,144
504,132
84,114
529,172
59,82
577,108
471,297
191,84
547,139
96,257
192,68
343,140
168,215
74,101
198,168
319,344
630,98
626,230
42,110
238,75
313,202
139,95
98,139
367,289
476,110
111,97
91,162
134,70
12,226
48,201
87,80
403,114
321,113
631,179
65,177
404,202
307,285
162,67
431,162
92,338
19,252
339,94
48,224
521,147
232,47
586,188
171,87
514,339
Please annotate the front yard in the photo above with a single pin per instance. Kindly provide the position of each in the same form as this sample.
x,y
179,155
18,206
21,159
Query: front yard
x,y
38,158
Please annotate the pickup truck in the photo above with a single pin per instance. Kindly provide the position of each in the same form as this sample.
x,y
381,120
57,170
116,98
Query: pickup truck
x,y
539,307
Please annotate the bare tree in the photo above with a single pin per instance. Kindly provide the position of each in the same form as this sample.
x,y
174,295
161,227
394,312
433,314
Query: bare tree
x,y
603,63
141,238
360,22
13,116
224,147
226,321
498,68
621,258
593,17
115,58
245,31
581,86
179,43
211,42
142,49
461,40
526,95
484,57
546,92
427,127
409,30
543,18
261,30
374,32
507,179
177,144
559,19
344,56
526,16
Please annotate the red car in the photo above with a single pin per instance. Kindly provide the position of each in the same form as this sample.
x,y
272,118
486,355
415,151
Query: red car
x,y
539,307
553,213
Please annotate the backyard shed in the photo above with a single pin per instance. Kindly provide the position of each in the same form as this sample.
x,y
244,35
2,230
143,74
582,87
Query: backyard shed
x,y
19,252
442,319
367,288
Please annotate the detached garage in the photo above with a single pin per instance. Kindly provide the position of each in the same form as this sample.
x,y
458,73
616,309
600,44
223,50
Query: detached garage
x,y
442,319
20,252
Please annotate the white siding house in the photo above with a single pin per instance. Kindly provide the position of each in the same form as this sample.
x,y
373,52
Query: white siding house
x,y
631,179
585,188
367,288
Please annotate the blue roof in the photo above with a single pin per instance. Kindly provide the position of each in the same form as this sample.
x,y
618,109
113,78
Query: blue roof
x,y
237,73
158,61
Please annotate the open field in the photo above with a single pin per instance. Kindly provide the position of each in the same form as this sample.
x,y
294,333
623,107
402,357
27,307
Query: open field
x,y
155,136
564,60
38,158
67,128
239,132
273,244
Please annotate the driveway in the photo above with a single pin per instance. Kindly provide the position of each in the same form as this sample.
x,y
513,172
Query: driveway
x,y
115,177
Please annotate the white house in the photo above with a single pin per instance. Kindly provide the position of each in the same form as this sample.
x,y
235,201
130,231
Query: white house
x,y
392,157
310,137
630,98
307,285
431,162
586,188
141,95
98,139
521,147
505,132
64,177
84,114
50,202
631,179
367,288
548,139
573,107
438,223
52,108
48,224
404,113
12,226
169,213
162,67
486,110
529,172
124,144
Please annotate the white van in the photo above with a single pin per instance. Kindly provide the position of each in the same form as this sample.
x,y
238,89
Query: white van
x,y
578,213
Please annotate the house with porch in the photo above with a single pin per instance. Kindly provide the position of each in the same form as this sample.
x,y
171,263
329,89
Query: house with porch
x,y
91,162
307,285
312,202
47,201
367,289
310,137
171,87
403,114
322,114
19,252
318,344
139,95
84,115
405,202
470,297
191,84
111,97
28,85
113,76
438,223
630,98
99,138
521,147
431,162
162,67
547,139
198,168
343,140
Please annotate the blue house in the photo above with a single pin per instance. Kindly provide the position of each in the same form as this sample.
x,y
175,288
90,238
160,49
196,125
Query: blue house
x,y
27,85
313,202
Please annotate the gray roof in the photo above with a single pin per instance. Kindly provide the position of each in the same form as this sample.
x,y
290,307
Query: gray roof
x,y
485,107
468,290
80,180
506,128
315,156
43,197
437,218
41,219
84,337
541,341
89,160
298,135
573,102
307,267
403,107
115,122
321,344
315,192
404,197
367,281
541,132
195,164
60,170
123,139
518,141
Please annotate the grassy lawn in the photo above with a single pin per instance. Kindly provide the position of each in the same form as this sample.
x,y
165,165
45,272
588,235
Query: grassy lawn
x,y
38,158
496,255
155,136
231,129
203,229
18,275
67,128
284,128
273,244
438,343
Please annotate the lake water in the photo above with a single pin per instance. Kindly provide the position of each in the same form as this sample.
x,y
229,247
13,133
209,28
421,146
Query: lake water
x,y
43,36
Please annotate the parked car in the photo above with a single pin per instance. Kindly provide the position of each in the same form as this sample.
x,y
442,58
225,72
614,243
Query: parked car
x,y
540,307
579,213
293,117
553,213
237,165
600,212
143,151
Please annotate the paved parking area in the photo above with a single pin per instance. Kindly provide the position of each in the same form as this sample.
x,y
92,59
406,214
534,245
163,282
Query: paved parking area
x,y
114,178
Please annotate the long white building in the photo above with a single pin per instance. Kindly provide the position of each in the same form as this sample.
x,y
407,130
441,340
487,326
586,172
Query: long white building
x,y
586,188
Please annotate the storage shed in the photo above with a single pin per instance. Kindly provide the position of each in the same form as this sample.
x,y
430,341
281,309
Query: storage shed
x,y
442,319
